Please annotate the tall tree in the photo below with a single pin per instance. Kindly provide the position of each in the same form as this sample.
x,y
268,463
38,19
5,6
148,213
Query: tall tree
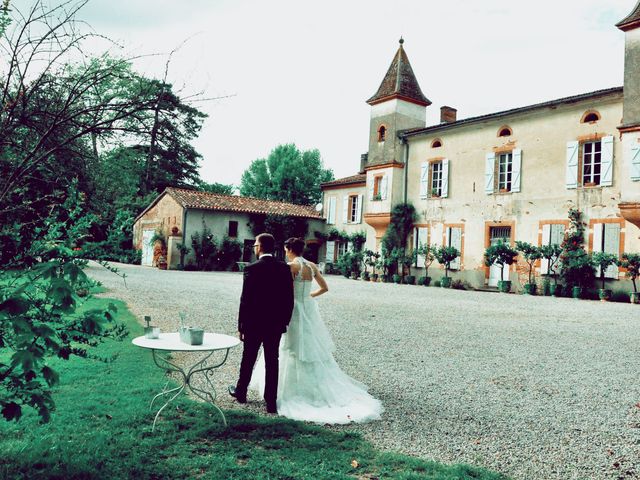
x,y
287,174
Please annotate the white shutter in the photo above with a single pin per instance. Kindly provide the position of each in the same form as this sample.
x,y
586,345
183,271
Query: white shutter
x,y
345,209
635,163
331,211
612,245
454,239
505,272
445,178
421,239
489,170
331,251
572,164
436,234
359,210
598,230
546,240
383,188
516,167
424,179
372,184
606,145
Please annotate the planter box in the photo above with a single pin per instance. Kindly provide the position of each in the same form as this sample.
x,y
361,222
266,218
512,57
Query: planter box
x,y
504,286
445,282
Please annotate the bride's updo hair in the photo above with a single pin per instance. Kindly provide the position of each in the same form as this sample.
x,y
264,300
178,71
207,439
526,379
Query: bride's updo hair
x,y
296,245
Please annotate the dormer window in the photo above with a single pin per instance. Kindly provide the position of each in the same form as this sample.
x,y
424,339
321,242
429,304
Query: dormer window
x,y
437,143
382,132
590,117
505,132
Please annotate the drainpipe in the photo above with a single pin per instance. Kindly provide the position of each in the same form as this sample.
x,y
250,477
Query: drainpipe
x,y
184,226
406,167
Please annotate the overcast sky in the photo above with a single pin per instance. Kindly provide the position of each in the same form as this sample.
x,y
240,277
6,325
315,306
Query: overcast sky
x,y
300,71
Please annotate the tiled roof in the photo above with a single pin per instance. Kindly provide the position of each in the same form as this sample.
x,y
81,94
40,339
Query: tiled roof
x,y
234,203
361,178
400,82
513,111
631,20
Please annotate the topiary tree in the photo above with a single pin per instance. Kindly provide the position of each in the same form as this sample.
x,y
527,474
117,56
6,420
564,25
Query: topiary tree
x,y
631,262
603,260
502,254
427,251
551,253
446,255
530,253
403,217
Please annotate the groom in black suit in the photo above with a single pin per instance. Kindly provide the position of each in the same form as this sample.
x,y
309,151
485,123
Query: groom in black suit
x,y
266,305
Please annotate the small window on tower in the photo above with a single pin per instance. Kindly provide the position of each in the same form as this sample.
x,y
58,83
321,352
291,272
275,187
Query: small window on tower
x,y
437,143
382,131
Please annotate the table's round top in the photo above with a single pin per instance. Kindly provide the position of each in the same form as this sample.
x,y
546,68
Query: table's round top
x,y
171,341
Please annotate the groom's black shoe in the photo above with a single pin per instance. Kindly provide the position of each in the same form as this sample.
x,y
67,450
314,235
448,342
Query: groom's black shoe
x,y
234,393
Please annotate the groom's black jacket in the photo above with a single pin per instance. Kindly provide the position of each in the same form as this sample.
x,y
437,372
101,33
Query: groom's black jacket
x,y
267,297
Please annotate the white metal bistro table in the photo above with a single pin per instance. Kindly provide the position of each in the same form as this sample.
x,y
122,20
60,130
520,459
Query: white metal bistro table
x,y
170,342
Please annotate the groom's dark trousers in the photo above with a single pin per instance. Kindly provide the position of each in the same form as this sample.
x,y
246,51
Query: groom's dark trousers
x,y
266,305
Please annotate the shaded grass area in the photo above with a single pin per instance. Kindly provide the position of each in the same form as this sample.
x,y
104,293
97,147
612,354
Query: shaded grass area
x,y
102,429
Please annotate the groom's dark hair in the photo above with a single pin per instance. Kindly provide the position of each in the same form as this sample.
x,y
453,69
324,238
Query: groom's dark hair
x,y
267,242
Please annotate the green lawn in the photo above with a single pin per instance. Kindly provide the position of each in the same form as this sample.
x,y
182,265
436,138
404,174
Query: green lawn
x,y
102,429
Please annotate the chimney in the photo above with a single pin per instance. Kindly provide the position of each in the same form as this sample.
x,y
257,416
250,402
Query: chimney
x,y
363,161
447,114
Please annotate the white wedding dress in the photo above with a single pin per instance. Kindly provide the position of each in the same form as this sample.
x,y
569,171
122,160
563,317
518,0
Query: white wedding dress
x,y
311,385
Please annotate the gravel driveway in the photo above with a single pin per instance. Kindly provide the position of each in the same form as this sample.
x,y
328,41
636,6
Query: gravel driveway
x,y
532,387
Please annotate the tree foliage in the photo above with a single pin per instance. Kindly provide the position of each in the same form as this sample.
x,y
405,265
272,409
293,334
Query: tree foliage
x,y
288,175
576,265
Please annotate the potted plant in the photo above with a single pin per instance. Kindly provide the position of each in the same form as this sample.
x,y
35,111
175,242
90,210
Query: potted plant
x,y
435,193
551,253
426,251
162,262
501,254
530,253
577,268
446,255
407,261
631,262
603,260
397,278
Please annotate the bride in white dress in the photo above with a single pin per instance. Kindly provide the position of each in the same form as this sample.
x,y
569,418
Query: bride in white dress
x,y
311,385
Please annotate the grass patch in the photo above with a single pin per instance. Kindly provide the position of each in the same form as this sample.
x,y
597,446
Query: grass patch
x,y
102,429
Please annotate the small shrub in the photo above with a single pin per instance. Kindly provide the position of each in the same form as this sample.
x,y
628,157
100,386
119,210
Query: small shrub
x,y
437,283
459,284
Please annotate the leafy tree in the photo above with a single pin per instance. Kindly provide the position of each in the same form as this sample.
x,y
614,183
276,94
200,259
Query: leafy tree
x,y
215,187
403,217
603,260
551,253
502,254
531,254
40,316
205,248
446,255
427,251
631,262
288,175
280,226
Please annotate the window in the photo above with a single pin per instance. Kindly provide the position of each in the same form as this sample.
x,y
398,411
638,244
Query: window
x,y
437,143
505,169
552,234
502,171
606,238
434,179
341,248
505,132
454,239
331,210
233,228
382,132
590,117
377,187
591,163
354,208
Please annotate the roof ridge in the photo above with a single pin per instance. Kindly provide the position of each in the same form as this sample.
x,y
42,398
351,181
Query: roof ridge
x,y
239,196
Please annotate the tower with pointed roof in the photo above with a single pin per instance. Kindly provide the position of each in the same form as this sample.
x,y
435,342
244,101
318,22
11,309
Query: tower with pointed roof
x,y
630,128
398,104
